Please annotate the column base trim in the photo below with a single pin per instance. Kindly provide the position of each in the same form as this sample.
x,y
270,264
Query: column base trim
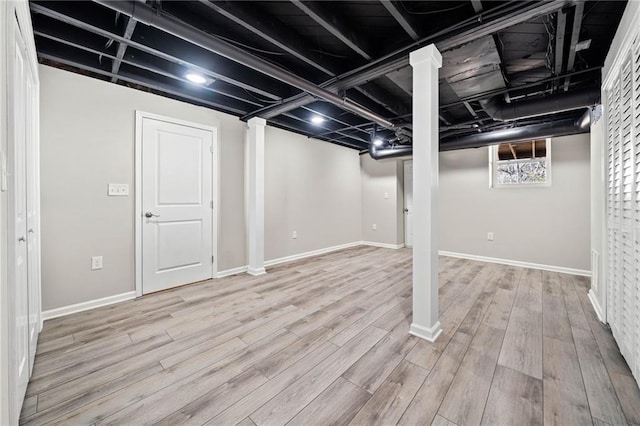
x,y
428,334
256,271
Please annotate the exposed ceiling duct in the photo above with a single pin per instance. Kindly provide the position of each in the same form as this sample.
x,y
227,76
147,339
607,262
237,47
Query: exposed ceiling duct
x,y
554,128
392,151
499,109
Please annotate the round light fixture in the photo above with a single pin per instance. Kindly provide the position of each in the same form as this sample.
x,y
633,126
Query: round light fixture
x,y
316,119
195,78
378,142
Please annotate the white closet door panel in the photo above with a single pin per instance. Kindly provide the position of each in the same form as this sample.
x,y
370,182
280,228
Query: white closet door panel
x,y
613,204
635,132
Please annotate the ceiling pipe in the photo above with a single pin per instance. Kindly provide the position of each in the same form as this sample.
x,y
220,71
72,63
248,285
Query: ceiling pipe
x,y
149,16
392,151
556,128
570,126
500,110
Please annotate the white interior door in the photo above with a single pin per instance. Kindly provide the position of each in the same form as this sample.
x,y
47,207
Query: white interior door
x,y
33,215
18,289
177,204
408,203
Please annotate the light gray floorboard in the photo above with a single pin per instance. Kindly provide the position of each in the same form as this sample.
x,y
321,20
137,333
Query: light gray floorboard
x,y
325,341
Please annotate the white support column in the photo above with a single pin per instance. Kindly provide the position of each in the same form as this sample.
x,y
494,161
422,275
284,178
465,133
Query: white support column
x,y
425,63
255,164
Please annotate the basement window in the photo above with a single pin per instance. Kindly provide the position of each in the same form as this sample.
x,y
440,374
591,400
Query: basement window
x,y
522,164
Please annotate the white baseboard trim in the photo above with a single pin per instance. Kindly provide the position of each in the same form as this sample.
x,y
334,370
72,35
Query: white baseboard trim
x,y
596,306
299,256
428,334
84,306
522,264
383,245
232,271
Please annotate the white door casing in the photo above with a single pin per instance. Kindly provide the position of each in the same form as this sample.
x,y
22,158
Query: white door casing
x,y
175,193
17,245
32,173
408,203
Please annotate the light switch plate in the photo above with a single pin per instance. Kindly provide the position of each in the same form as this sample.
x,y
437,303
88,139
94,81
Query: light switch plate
x,y
118,190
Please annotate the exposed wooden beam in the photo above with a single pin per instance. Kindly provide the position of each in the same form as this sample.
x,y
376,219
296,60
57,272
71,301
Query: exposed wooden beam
x,y
402,17
142,82
333,24
513,151
122,47
228,90
477,5
533,149
470,109
575,36
39,8
560,30
269,30
399,59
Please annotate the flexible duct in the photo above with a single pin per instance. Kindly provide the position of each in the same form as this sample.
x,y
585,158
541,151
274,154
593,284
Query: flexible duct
x,y
499,109
570,126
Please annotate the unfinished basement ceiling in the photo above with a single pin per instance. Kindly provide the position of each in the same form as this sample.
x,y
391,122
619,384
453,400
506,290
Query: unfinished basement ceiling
x,y
263,58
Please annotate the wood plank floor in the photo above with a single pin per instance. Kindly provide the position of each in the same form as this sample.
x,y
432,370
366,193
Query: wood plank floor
x,y
325,341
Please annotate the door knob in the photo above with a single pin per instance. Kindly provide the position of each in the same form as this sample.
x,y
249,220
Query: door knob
x,y
406,210
31,231
150,215
22,239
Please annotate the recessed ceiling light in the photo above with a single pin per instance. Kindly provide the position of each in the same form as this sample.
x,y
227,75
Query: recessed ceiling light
x,y
316,119
377,142
195,78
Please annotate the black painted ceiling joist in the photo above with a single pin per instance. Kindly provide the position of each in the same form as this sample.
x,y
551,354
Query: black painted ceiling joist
x,y
40,9
464,32
400,15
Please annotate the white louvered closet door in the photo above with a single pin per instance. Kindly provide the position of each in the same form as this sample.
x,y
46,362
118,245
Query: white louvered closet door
x,y
613,202
635,131
623,155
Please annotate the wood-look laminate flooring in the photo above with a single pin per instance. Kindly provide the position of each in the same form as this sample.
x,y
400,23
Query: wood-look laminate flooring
x,y
325,341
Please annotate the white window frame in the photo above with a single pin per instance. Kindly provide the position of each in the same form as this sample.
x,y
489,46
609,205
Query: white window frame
x,y
493,162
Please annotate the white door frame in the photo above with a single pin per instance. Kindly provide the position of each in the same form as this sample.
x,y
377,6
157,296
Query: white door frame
x,y
140,116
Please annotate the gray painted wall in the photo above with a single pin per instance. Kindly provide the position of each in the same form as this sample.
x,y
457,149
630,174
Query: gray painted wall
x,y
380,178
544,225
88,131
313,188
87,142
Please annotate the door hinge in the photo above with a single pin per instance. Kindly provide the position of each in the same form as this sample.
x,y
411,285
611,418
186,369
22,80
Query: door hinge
x,y
211,204
212,259
211,148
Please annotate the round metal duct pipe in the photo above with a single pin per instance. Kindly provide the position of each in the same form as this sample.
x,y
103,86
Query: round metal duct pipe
x,y
499,109
565,127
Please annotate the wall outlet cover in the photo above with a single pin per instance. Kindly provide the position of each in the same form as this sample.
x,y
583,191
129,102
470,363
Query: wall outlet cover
x,y
118,190
96,263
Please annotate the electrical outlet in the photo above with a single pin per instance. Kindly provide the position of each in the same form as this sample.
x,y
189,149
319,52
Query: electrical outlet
x,y
374,226
294,234
490,236
118,190
96,263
